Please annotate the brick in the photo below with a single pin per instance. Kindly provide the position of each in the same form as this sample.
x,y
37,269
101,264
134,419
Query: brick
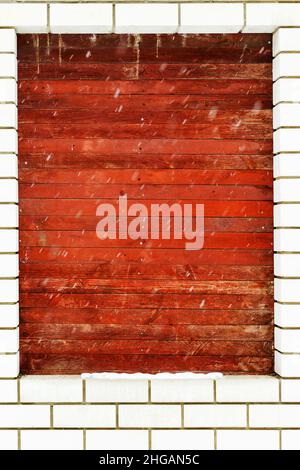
x,y
9,290
287,315
8,115
290,440
247,389
9,365
146,18
101,390
8,217
212,416
286,40
86,416
8,89
116,440
287,365
286,140
9,341
287,190
8,141
52,389
286,115
290,390
8,391
287,239
26,18
145,416
287,341
286,164
52,440
8,40
287,290
24,416
211,18
266,17
273,416
9,265
8,440
9,316
247,440
8,65
287,215
287,265
286,89
173,390
9,191
286,65
183,439
77,18
9,241
8,166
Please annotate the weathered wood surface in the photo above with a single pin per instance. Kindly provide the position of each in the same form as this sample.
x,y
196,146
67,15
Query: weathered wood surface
x,y
164,118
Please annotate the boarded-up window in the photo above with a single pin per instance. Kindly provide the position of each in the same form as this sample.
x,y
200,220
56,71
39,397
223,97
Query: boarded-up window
x,y
164,118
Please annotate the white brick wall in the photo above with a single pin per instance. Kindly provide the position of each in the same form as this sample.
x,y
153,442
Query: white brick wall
x,y
189,403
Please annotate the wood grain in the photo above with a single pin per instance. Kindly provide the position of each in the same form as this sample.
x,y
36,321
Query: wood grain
x,y
162,119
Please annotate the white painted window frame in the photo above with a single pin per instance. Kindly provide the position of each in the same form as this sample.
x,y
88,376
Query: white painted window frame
x,y
281,19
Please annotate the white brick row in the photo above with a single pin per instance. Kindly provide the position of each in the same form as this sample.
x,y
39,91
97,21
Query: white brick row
x,y
211,18
182,439
287,316
286,115
24,416
247,440
214,416
286,239
9,264
287,265
286,140
8,140
8,391
290,391
287,215
26,18
8,166
8,115
9,341
290,440
266,17
274,416
8,191
182,390
287,164
81,18
286,65
116,390
8,90
143,18
9,290
51,389
287,365
9,365
9,241
9,316
247,389
8,65
117,440
287,340
286,40
286,89
9,217
287,290
8,40
84,416
8,440
147,416
287,190
52,440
